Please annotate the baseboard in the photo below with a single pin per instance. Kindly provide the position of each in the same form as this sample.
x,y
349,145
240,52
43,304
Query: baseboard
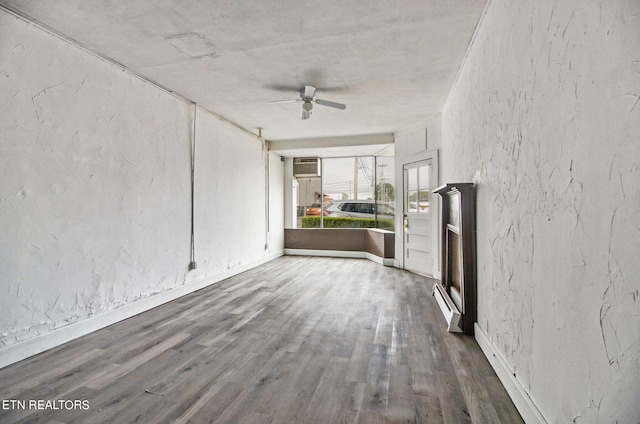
x,y
525,405
380,260
341,254
38,344
448,308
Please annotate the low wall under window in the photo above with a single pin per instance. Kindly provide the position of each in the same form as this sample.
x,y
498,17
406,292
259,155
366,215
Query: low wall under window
x,y
372,243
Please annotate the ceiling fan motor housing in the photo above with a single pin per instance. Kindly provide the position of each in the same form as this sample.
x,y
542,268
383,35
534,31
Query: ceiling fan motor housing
x,y
307,93
308,97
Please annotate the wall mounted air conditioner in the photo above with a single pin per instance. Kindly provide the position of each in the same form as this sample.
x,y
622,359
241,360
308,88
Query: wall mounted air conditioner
x,y
306,167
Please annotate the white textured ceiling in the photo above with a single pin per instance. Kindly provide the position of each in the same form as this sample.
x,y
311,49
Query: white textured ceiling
x,y
391,62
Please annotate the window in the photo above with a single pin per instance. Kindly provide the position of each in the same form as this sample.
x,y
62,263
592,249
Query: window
x,y
353,192
417,189
308,194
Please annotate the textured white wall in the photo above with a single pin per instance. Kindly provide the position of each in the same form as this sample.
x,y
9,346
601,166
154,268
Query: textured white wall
x,y
546,116
276,203
95,196
409,144
230,197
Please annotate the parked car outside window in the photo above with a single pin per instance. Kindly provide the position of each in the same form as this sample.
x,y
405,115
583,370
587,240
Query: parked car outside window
x,y
359,209
313,210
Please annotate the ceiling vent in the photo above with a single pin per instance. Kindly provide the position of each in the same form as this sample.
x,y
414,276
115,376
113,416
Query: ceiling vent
x,y
306,167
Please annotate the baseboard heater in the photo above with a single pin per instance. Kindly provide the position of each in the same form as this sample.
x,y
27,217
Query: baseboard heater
x,y
448,308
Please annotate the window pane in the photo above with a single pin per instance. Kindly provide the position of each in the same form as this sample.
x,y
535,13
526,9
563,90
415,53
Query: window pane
x,y
423,194
308,208
412,201
385,192
357,192
348,185
412,178
423,203
424,173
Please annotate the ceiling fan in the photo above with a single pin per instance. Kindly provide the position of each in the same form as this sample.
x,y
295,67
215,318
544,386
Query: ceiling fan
x,y
308,97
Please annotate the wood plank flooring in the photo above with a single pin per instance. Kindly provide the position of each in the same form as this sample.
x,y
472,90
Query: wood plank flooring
x,y
297,340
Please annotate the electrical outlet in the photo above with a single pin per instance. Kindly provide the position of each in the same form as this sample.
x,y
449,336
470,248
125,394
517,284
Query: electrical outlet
x,y
193,265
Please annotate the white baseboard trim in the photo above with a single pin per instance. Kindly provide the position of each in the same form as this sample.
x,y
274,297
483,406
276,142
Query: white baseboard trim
x,y
341,254
525,405
38,344
448,308
380,260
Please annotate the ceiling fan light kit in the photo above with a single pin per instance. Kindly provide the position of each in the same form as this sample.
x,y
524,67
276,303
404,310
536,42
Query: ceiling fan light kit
x,y
307,96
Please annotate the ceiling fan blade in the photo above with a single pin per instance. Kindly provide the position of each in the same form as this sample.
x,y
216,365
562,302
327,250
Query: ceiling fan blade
x,y
308,92
306,114
331,104
283,87
285,101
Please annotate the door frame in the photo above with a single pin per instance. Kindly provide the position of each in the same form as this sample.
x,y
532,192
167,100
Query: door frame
x,y
434,202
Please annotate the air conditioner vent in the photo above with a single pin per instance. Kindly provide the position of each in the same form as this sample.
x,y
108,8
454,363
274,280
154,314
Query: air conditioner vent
x,y
306,167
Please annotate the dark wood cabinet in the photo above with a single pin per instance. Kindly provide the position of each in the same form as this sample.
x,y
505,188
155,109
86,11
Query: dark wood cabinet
x,y
456,292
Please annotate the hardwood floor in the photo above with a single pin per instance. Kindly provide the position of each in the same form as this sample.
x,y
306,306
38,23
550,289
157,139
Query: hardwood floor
x,y
298,340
